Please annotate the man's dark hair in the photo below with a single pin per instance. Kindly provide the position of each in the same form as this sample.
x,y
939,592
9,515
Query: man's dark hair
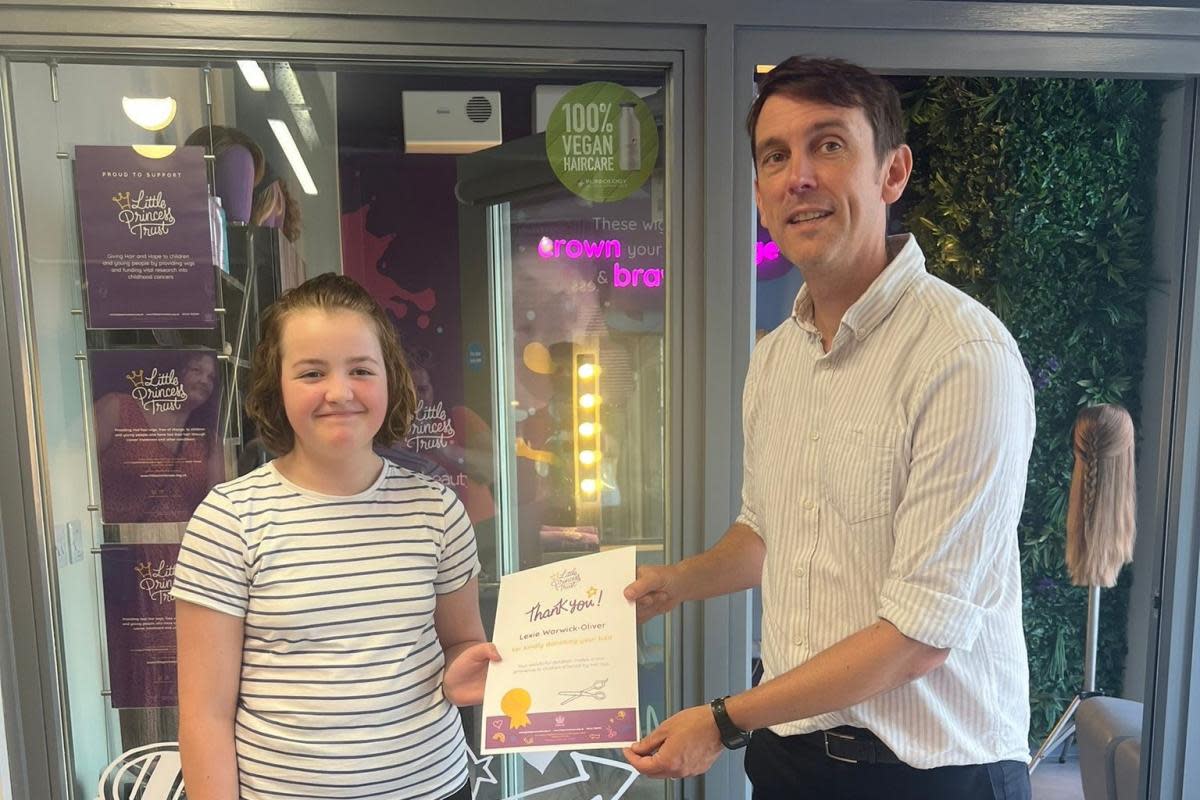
x,y
836,83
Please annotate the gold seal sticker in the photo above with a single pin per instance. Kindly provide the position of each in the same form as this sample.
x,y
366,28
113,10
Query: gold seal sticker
x,y
515,704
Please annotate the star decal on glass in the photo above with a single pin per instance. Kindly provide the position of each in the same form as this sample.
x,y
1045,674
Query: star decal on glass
x,y
480,769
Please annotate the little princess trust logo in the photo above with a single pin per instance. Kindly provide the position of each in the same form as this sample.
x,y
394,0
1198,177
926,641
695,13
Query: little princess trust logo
x,y
566,579
156,581
158,391
146,215
431,428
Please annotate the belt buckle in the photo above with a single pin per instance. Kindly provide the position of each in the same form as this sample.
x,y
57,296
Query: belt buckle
x,y
831,755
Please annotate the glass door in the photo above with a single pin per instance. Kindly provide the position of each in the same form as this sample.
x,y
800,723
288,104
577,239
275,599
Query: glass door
x,y
577,308
533,319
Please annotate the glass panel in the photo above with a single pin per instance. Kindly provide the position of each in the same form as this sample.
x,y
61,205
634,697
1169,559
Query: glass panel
x,y
314,174
57,110
587,393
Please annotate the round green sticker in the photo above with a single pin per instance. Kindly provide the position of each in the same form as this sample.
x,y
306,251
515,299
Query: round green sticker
x,y
601,141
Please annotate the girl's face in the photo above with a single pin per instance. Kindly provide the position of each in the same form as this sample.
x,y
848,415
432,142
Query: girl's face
x,y
333,381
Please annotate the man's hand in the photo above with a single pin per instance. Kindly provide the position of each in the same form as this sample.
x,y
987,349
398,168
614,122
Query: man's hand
x,y
686,744
466,673
655,591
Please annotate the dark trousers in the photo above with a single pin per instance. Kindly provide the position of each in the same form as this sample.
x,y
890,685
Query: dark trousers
x,y
786,768
462,794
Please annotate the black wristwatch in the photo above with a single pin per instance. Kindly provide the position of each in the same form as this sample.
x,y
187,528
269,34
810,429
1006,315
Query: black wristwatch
x,y
733,737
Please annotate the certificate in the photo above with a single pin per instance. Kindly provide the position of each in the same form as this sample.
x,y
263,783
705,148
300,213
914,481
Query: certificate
x,y
568,638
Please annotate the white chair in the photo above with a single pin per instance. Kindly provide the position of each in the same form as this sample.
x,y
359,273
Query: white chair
x,y
153,772
1109,731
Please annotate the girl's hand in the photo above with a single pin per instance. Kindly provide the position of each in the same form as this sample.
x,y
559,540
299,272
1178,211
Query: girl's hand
x,y
466,673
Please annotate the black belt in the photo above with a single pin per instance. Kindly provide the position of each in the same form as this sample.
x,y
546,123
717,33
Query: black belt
x,y
851,745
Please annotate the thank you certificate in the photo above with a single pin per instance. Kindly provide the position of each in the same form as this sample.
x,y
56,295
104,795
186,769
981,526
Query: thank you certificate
x,y
568,638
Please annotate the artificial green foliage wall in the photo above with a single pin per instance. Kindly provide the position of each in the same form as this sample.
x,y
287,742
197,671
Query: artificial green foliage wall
x,y
1035,196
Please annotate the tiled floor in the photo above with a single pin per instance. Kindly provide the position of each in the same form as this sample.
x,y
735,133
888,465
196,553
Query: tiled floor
x,y
1054,781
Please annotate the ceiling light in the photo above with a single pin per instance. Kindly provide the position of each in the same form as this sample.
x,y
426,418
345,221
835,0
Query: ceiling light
x,y
151,113
288,85
280,129
254,75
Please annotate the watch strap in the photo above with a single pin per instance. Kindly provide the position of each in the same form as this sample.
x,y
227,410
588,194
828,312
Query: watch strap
x,y
733,737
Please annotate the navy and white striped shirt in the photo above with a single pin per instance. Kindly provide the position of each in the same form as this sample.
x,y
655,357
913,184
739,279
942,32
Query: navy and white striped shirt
x,y
341,693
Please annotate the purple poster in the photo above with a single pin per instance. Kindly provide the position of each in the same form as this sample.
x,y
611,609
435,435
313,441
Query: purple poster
x,y
139,617
147,253
156,432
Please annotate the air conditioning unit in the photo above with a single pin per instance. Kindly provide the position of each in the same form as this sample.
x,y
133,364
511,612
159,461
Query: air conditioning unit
x,y
451,122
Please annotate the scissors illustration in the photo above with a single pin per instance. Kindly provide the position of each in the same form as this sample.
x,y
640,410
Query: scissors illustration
x,y
592,691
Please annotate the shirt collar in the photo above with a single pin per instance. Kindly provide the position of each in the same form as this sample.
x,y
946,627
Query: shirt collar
x,y
880,297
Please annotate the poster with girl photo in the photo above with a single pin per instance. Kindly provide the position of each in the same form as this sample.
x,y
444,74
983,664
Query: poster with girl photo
x,y
156,432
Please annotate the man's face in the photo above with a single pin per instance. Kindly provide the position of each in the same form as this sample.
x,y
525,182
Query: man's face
x,y
820,189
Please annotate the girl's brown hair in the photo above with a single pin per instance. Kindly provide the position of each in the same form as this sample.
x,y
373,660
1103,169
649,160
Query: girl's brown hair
x,y
328,292
1102,505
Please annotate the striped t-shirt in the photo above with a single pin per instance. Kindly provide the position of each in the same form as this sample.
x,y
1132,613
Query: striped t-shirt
x,y
341,681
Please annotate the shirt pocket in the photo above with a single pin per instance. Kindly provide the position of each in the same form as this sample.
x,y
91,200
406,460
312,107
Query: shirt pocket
x,y
857,465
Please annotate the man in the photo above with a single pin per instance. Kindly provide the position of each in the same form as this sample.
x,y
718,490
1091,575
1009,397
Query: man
x,y
888,425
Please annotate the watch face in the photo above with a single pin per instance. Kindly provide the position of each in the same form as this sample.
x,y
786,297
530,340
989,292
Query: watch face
x,y
736,742
732,736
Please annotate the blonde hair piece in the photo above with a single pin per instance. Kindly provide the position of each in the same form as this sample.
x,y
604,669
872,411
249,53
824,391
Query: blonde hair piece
x,y
1101,511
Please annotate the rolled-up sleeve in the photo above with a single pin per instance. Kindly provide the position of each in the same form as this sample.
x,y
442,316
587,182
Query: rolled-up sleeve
x,y
972,431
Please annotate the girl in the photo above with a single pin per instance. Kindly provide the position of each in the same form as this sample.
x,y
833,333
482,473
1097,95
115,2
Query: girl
x,y
328,613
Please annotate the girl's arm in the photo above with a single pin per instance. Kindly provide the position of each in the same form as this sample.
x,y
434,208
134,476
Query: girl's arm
x,y
210,664
468,653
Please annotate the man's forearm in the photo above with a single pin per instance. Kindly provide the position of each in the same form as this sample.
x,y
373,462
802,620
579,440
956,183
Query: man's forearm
x,y
734,563
872,661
